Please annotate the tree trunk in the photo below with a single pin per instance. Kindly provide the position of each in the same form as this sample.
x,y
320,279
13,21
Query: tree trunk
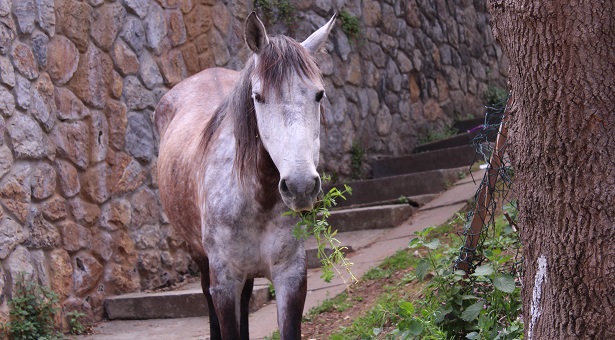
x,y
562,133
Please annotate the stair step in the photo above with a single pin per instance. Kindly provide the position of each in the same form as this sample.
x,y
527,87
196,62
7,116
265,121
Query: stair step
x,y
454,157
352,240
184,303
391,188
465,125
457,140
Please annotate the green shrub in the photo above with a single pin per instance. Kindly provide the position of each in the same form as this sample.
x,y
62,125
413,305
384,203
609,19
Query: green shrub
x,y
32,312
350,25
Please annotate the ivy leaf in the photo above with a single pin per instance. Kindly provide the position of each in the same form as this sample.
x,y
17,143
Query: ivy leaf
x,y
484,270
472,312
422,268
415,327
472,336
504,282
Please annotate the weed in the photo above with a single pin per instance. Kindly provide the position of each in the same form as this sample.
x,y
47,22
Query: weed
x,y
350,25
495,97
32,312
339,303
356,161
437,134
314,222
76,327
271,290
485,305
403,199
280,10
274,336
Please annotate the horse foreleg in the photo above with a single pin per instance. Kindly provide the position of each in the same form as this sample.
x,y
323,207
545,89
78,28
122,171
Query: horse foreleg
x,y
246,294
226,291
290,294
214,324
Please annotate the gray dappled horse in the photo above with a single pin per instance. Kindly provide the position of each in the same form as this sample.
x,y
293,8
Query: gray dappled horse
x,y
237,149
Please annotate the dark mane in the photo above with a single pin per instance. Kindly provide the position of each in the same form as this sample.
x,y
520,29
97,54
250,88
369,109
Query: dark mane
x,y
279,60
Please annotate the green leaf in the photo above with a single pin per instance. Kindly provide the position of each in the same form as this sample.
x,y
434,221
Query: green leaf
x,y
415,327
433,244
377,331
472,336
484,270
415,242
472,312
407,307
504,282
422,268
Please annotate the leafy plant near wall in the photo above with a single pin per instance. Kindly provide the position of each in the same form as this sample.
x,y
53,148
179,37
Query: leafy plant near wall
x,y
350,25
357,153
32,312
495,97
277,10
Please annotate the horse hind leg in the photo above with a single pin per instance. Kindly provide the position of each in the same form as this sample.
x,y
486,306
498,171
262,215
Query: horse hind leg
x,y
246,294
214,323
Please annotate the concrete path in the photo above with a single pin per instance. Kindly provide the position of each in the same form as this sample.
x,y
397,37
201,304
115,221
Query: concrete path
x,y
263,322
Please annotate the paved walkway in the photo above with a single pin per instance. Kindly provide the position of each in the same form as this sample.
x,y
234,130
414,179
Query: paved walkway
x,y
263,322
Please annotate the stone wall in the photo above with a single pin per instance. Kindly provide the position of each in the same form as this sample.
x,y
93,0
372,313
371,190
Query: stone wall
x,y
79,207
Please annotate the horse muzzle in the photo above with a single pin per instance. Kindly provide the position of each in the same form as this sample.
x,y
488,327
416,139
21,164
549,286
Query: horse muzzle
x,y
299,193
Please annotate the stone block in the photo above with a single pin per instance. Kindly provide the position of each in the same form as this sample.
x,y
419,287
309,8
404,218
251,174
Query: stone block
x,y
43,181
150,73
136,96
7,103
145,208
19,266
87,272
102,245
7,72
125,60
147,237
62,59
11,235
84,213
43,235
99,137
140,142
92,80
174,69
61,272
6,158
15,191
75,237
126,175
176,27
72,141
24,11
198,21
7,34
138,7
69,179
45,16
116,215
116,114
73,19
94,183
55,209
68,106
107,23
155,28
133,34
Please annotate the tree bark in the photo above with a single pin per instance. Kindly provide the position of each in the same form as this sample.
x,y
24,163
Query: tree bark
x,y
562,78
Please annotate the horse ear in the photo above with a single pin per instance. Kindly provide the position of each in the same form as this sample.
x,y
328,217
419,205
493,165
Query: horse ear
x,y
315,41
256,35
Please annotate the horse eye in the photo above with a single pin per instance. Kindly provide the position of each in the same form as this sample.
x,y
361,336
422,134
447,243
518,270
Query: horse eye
x,y
258,98
319,96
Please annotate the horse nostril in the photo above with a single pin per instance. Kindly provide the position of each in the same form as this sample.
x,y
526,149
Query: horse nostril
x,y
284,188
316,188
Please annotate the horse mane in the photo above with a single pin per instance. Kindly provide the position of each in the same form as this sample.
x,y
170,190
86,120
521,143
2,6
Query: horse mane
x,y
279,60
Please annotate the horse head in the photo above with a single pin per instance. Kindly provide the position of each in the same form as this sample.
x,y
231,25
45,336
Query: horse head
x,y
287,91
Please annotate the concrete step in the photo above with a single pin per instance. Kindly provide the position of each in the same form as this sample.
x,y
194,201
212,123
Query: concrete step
x,y
187,301
351,240
454,141
454,157
391,188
